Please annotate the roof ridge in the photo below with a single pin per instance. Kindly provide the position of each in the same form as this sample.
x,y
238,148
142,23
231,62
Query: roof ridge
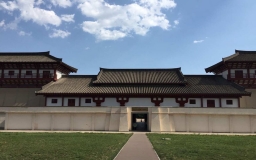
x,y
25,53
118,69
78,76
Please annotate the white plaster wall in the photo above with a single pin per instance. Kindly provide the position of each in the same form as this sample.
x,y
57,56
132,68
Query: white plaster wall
x,y
42,122
66,101
224,104
49,101
169,102
110,102
140,102
82,103
59,74
23,73
217,103
198,103
224,74
61,122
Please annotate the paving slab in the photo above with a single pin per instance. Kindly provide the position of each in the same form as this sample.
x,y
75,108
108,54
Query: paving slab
x,y
138,147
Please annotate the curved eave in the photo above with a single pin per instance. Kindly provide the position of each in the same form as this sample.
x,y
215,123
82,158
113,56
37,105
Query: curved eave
x,y
70,68
214,68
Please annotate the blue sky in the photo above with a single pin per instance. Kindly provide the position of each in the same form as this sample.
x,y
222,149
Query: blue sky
x,y
89,34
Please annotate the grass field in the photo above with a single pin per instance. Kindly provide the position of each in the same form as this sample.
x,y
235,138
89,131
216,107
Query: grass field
x,y
53,146
202,147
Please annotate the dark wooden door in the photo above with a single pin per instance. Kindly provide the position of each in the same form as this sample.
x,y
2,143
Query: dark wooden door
x,y
71,102
210,103
238,74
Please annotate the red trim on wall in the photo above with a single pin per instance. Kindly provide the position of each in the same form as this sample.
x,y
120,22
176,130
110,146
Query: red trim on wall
x,y
20,73
55,75
2,76
62,103
79,101
238,102
157,100
98,100
220,102
122,100
202,102
181,101
229,75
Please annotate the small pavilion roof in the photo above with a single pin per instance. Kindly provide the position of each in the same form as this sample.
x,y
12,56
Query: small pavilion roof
x,y
33,57
239,56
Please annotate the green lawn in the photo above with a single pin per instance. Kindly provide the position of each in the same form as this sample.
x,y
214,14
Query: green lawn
x,y
200,147
60,145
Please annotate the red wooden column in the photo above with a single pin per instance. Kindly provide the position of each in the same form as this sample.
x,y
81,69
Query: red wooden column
x,y
2,73
55,74
37,72
229,76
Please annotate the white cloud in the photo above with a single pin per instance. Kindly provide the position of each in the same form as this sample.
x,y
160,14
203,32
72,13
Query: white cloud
x,y
29,11
112,22
59,33
22,33
198,41
9,5
62,3
176,22
2,23
68,17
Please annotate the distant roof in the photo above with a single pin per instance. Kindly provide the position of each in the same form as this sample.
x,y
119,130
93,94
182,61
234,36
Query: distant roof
x,y
196,85
36,57
142,76
239,56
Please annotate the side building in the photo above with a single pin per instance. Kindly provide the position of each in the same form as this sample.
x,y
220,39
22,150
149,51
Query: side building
x,y
21,74
239,68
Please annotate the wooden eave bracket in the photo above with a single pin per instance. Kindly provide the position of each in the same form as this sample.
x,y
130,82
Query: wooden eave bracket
x,y
181,101
98,100
157,100
122,100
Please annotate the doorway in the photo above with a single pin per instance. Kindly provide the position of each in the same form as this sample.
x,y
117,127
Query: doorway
x,y
139,122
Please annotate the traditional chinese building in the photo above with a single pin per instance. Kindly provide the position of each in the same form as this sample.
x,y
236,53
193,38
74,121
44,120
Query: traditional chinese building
x,y
24,73
239,68
37,93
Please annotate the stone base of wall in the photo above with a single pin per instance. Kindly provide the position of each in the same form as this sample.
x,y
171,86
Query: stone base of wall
x,y
209,120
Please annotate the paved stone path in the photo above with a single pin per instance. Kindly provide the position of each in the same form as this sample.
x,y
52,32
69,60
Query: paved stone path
x,y
138,147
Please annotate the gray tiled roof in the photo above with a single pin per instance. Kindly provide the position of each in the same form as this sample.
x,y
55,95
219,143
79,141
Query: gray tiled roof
x,y
248,56
28,57
36,57
143,76
239,56
196,84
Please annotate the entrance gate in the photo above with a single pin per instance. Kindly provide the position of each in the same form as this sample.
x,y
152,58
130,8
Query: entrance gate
x,y
139,122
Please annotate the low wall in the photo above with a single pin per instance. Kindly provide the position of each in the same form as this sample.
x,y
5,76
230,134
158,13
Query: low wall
x,y
213,120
